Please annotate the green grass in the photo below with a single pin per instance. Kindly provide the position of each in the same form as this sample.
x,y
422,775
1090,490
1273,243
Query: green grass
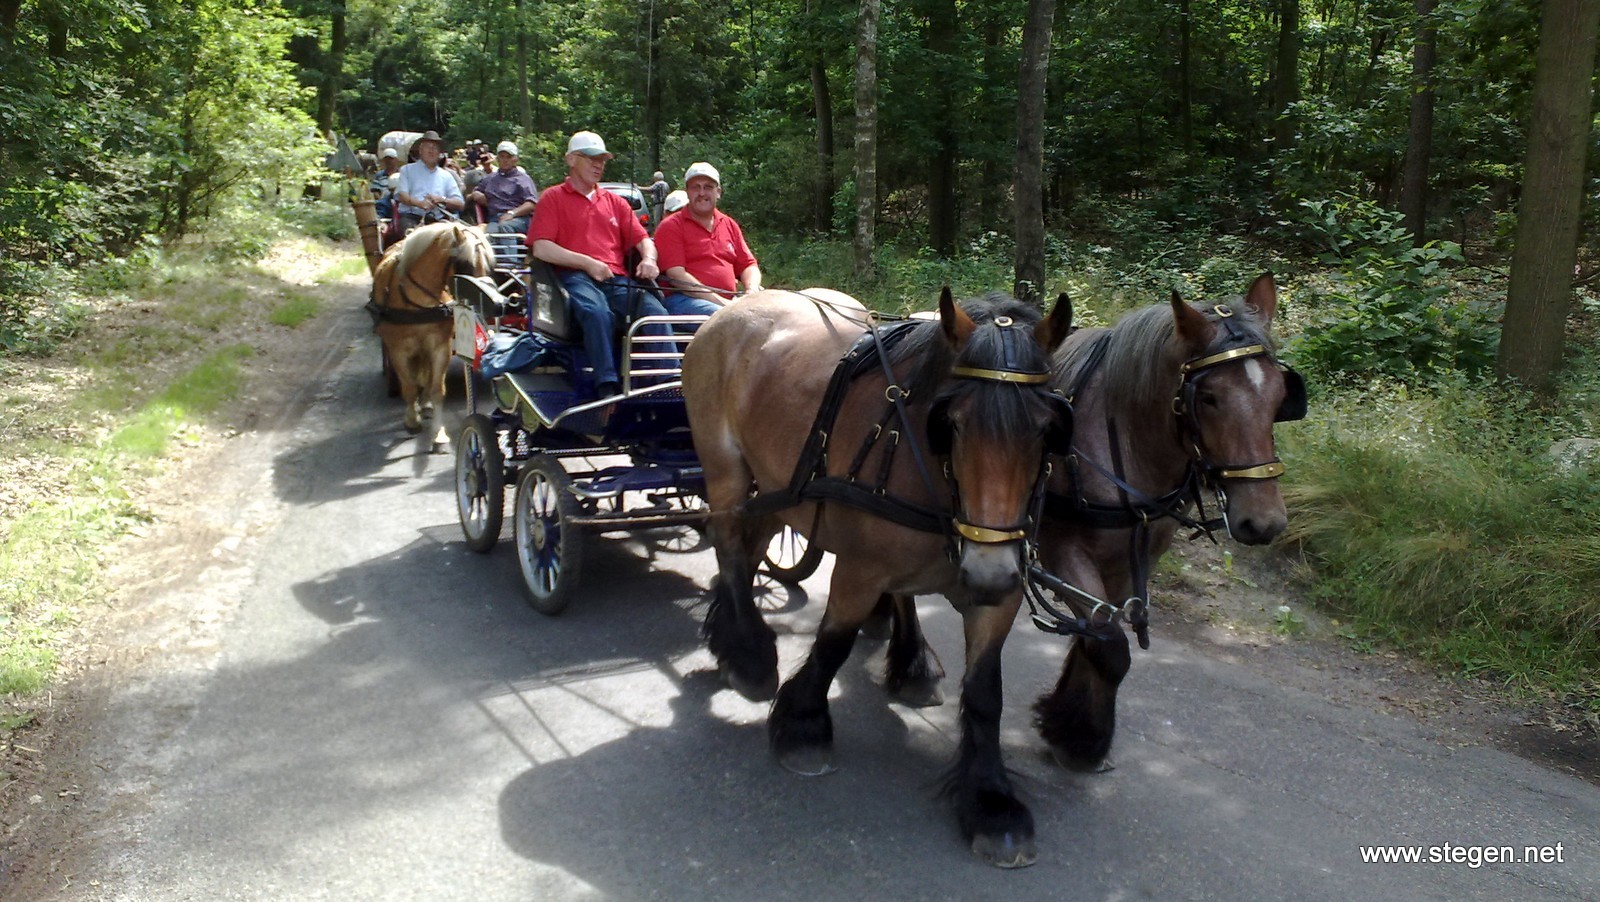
x,y
344,269
1436,523
296,308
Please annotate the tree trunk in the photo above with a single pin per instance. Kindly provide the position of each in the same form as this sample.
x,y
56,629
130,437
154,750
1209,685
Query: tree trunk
x,y
1185,81
524,100
1286,83
1030,149
943,26
1419,141
9,12
866,241
991,187
332,70
1552,196
652,91
822,104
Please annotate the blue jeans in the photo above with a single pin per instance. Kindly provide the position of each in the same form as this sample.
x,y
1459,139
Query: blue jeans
x,y
518,225
689,305
597,306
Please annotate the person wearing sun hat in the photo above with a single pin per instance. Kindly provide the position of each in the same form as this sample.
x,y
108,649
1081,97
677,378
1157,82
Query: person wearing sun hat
x,y
703,252
425,186
676,200
586,233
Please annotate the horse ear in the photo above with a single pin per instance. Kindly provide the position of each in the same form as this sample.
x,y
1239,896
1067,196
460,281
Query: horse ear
x,y
1193,327
958,326
1054,329
1263,295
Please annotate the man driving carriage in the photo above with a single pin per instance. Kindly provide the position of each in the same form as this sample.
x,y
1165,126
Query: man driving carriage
x,y
703,252
586,232
425,187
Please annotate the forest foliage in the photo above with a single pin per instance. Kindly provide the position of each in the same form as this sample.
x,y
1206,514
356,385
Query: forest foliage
x,y
1186,144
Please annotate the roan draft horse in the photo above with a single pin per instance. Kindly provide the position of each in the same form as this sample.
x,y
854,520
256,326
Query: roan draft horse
x,y
914,453
410,297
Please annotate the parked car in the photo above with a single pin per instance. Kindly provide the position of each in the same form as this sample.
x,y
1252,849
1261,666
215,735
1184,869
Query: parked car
x,y
634,195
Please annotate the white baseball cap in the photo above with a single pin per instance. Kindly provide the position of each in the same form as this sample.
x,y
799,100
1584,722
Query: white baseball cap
x,y
507,147
589,144
677,200
705,169
390,153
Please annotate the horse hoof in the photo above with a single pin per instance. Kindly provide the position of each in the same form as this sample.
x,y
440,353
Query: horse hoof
x,y
441,447
1005,850
1082,765
427,411
810,761
762,691
919,694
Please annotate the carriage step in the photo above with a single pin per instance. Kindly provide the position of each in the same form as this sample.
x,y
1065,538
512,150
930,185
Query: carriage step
x,y
644,520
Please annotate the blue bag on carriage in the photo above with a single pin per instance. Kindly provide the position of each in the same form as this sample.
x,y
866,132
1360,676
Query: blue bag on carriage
x,y
508,353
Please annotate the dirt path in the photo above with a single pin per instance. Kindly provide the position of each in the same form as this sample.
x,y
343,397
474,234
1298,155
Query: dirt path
x,y
179,578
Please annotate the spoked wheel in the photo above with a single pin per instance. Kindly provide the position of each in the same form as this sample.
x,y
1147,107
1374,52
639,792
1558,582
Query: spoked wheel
x,y
549,545
480,483
790,558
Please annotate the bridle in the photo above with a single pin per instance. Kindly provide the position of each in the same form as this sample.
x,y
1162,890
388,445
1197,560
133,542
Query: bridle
x,y
1194,370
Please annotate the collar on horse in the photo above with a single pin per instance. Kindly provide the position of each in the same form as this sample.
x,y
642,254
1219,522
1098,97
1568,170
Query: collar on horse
x,y
413,314
811,482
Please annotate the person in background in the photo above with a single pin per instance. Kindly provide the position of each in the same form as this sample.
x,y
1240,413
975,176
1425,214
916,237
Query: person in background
x,y
385,182
509,194
676,201
425,186
657,193
704,257
482,166
586,232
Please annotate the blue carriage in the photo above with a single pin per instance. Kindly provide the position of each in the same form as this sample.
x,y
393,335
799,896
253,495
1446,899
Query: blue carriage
x,y
580,465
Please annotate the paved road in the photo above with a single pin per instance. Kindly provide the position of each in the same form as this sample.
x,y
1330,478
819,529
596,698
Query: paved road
x,y
385,718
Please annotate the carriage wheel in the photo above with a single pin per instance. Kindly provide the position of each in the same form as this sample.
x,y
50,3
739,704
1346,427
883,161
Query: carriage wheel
x,y
480,483
790,558
549,546
391,379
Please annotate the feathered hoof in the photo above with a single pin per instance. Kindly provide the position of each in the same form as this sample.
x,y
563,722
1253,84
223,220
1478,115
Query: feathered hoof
x,y
762,690
1005,850
918,693
808,761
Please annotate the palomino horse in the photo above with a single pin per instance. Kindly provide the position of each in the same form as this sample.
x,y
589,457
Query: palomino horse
x,y
769,411
410,291
1171,403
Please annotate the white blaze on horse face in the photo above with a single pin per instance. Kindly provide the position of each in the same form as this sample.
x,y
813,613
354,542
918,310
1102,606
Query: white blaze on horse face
x,y
1257,373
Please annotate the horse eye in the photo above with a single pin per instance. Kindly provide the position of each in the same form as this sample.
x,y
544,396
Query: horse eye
x,y
1208,400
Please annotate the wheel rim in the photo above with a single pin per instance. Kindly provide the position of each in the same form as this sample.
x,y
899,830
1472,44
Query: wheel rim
x,y
471,483
540,544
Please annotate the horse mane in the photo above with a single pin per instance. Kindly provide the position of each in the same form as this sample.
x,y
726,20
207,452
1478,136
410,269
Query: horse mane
x,y
466,249
1006,406
1139,367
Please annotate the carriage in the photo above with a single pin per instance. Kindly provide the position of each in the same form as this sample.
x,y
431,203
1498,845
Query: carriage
x,y
578,466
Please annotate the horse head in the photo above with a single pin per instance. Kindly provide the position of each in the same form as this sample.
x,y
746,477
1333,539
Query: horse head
x,y
993,420
1231,390
431,254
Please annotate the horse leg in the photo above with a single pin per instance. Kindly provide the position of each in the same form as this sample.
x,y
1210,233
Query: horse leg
x,y
800,727
405,368
1079,717
992,818
438,366
911,668
745,647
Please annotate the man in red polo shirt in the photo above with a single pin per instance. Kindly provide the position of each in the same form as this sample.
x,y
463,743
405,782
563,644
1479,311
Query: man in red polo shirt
x,y
704,257
585,232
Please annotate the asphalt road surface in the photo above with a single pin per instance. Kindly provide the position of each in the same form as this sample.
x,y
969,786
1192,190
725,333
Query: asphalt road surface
x,y
383,717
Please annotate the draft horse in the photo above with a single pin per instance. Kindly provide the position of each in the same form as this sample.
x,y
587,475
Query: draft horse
x,y
410,298
916,455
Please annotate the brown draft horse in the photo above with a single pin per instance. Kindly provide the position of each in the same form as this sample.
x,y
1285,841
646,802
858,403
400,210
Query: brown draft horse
x,y
410,294
1172,402
972,385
